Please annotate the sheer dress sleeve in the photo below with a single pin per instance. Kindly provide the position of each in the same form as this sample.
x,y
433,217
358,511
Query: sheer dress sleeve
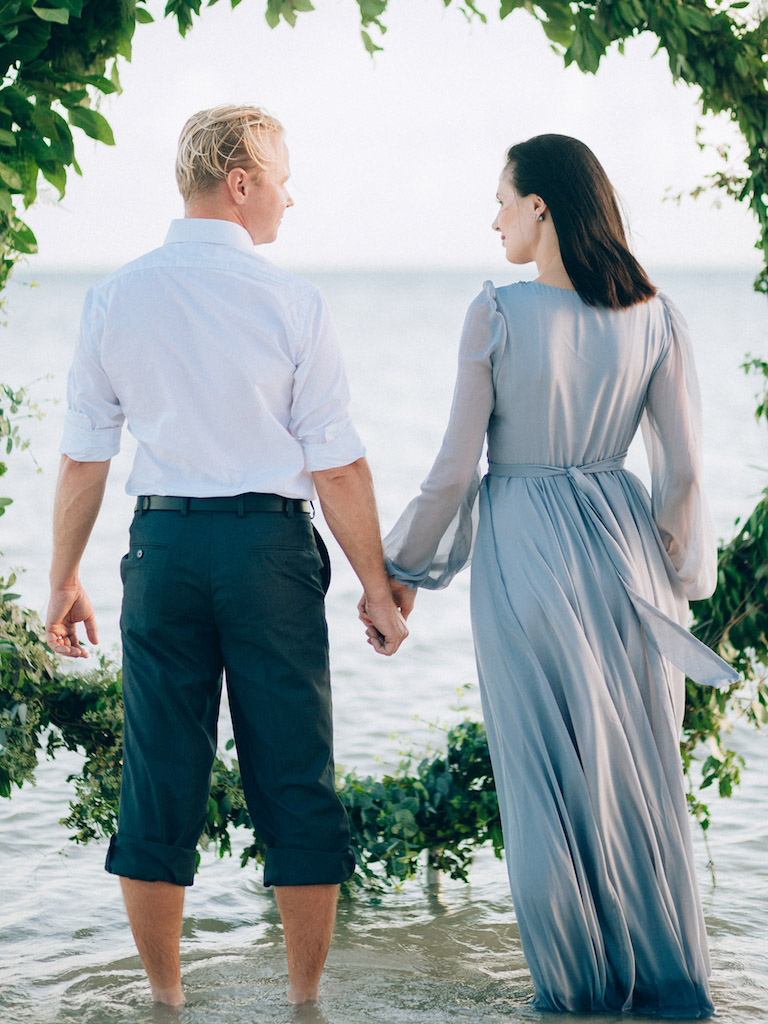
x,y
672,433
432,540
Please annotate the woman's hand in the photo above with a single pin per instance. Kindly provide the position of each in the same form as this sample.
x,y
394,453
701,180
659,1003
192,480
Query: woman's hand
x,y
403,596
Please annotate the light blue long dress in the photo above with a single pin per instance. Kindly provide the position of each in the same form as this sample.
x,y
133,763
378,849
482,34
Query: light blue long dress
x,y
579,595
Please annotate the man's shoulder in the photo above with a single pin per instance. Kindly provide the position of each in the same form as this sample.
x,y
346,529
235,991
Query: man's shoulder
x,y
268,272
153,258
226,260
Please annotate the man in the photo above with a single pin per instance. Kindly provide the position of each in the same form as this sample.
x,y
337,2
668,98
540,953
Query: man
x,y
227,371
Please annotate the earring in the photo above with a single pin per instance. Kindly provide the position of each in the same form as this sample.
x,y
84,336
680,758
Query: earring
x,y
541,217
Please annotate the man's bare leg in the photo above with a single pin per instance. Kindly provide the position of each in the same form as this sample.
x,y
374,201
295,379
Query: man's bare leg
x,y
155,913
308,913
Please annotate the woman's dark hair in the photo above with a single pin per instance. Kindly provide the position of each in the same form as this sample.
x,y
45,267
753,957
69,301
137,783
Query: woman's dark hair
x,y
582,204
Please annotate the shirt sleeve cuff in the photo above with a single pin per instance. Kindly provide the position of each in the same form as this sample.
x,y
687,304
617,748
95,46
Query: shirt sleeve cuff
x,y
341,450
83,443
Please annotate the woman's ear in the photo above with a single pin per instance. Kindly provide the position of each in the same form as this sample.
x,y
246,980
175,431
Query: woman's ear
x,y
539,208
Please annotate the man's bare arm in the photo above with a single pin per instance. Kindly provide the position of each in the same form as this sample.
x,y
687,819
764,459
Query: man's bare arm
x,y
349,506
79,493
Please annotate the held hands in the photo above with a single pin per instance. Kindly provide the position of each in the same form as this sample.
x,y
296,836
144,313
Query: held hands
x,y
384,619
67,606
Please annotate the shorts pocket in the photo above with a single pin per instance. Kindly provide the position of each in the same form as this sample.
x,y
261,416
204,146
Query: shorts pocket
x,y
143,556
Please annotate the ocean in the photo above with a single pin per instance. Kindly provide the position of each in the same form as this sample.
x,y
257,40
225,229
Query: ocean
x,y
425,954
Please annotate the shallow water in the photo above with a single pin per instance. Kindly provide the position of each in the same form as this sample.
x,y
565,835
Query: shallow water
x,y
421,955
424,954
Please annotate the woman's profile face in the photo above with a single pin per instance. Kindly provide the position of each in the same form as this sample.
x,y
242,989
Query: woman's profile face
x,y
515,221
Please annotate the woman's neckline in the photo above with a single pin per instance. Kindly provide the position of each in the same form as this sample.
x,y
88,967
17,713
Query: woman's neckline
x,y
552,287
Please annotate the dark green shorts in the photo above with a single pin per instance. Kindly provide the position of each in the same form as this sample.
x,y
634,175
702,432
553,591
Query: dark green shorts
x,y
212,592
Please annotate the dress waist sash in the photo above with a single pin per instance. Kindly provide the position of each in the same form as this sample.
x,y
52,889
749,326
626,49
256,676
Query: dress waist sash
x,y
533,469
670,639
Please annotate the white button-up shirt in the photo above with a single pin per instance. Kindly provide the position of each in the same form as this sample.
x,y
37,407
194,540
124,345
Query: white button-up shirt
x,y
225,368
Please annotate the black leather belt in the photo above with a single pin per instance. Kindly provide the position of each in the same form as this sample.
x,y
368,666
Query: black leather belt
x,y
239,503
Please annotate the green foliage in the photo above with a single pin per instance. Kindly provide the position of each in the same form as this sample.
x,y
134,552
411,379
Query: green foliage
x,y
10,403
733,622
41,709
15,405
715,46
57,55
26,678
759,366
54,58
445,805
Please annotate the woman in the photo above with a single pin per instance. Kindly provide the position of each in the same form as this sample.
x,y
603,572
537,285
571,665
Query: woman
x,y
579,588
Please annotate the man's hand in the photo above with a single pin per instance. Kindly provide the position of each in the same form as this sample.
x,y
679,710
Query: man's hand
x,y
384,625
79,491
67,606
349,507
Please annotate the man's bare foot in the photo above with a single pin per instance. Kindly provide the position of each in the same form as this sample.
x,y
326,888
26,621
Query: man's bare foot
x,y
302,997
308,1013
173,996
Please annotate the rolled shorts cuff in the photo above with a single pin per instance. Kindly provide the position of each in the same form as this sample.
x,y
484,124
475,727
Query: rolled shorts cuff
x,y
150,862
307,867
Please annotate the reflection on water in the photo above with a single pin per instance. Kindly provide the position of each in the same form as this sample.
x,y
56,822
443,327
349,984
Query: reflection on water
x,y
419,956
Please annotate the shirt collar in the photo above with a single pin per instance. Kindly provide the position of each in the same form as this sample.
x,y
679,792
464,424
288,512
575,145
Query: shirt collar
x,y
217,232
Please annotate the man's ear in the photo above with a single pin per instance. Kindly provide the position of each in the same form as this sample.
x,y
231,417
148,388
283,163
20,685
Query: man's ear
x,y
238,181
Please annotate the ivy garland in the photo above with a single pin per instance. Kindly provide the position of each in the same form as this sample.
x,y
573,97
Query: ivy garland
x,y
56,56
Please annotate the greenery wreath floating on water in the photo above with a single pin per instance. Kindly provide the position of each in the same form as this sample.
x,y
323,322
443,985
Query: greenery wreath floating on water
x,y
444,804
56,57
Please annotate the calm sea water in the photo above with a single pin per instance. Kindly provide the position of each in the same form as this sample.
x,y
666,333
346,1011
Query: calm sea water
x,y
423,955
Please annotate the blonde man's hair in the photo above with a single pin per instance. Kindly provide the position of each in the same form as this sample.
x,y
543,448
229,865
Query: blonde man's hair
x,y
215,141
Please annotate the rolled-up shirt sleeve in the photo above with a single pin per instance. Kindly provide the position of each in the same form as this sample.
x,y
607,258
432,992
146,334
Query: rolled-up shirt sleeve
x,y
320,404
94,418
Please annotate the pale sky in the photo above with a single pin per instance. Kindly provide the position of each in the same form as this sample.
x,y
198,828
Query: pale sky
x,y
395,160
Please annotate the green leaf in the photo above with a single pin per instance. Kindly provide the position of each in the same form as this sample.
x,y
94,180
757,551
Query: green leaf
x,y
23,238
11,177
59,15
143,17
7,138
124,47
560,31
92,123
99,82
6,205
73,97
288,12
42,119
368,43
371,9
302,5
57,177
